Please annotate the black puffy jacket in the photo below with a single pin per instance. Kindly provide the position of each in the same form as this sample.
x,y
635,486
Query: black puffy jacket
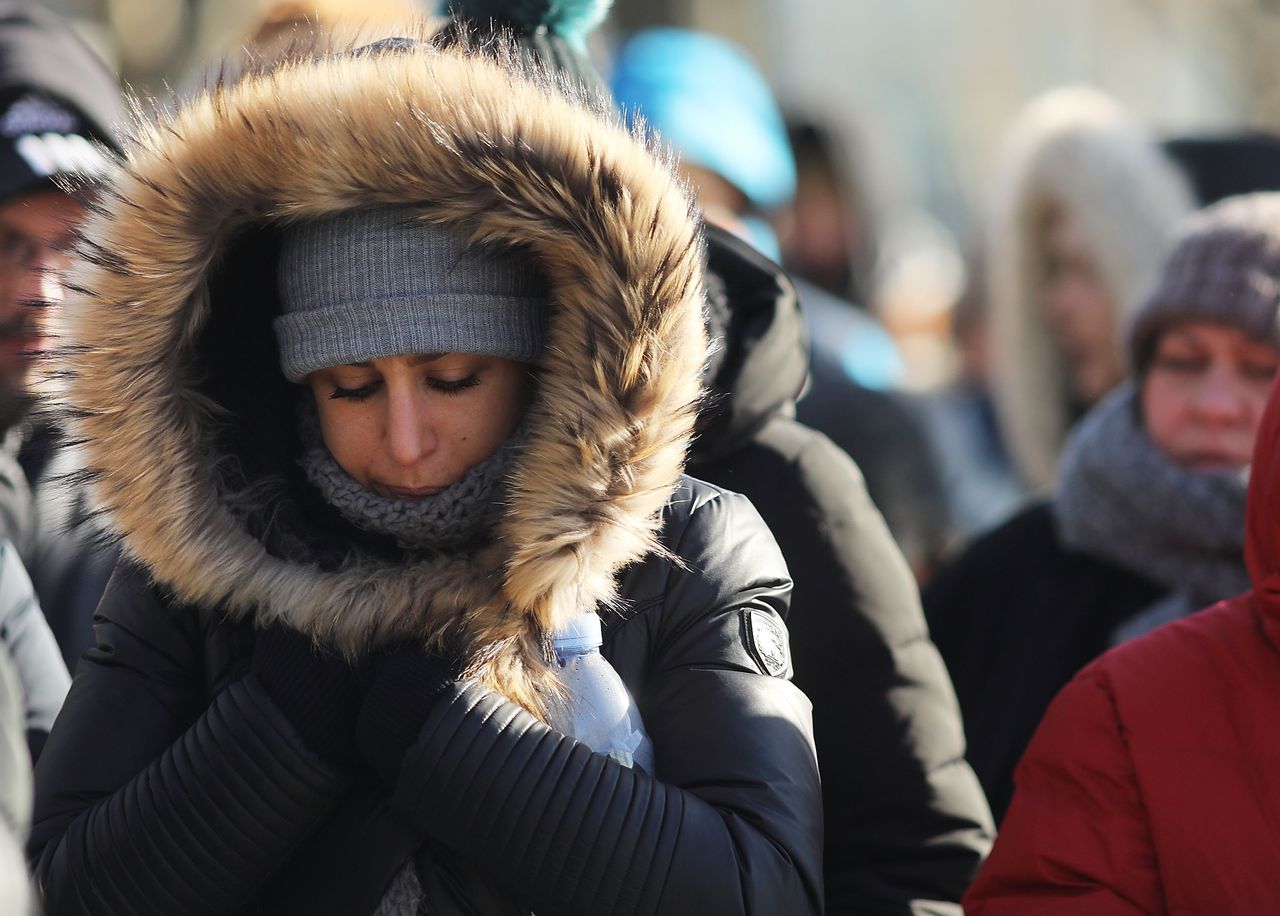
x,y
172,783
906,823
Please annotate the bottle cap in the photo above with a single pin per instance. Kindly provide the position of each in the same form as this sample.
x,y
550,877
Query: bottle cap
x,y
581,634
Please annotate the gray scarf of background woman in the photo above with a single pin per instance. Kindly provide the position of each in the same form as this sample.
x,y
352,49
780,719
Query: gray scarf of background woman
x,y
1122,500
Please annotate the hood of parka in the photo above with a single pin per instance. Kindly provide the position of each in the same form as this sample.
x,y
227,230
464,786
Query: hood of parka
x,y
1262,519
1073,150
763,359
173,294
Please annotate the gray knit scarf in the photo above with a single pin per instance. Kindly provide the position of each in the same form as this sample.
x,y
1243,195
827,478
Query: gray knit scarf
x,y
403,896
454,519
1121,499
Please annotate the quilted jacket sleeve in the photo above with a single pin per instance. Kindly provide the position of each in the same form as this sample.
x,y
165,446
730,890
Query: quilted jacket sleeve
x,y
1076,837
731,824
152,800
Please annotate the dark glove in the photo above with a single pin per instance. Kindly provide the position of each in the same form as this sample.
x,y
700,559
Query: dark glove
x,y
315,688
403,686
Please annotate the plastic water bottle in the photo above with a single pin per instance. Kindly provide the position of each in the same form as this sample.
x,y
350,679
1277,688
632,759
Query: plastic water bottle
x,y
600,711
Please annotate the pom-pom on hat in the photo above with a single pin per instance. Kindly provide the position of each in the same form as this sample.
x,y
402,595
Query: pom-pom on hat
x,y
572,20
368,284
1224,268
552,34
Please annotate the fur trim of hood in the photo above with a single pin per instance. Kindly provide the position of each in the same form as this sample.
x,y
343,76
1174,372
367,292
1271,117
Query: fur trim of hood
x,y
471,143
1076,149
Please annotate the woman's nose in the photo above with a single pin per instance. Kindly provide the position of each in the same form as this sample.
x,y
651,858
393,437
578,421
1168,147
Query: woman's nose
x,y
409,435
1220,397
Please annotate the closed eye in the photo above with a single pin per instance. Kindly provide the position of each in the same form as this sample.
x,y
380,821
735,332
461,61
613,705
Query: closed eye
x,y
453,386
362,393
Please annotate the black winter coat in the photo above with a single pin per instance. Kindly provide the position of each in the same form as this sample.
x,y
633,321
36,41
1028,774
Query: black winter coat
x,y
202,798
906,824
1016,616
172,783
884,436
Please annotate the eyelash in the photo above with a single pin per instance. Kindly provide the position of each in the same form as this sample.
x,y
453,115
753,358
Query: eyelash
x,y
364,392
453,387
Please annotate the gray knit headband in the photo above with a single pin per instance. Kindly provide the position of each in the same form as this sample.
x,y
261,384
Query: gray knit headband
x,y
367,284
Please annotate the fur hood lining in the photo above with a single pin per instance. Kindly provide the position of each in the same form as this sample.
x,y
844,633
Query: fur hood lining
x,y
469,142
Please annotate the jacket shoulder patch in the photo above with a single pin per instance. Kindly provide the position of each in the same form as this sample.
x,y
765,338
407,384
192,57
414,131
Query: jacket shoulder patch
x,y
766,641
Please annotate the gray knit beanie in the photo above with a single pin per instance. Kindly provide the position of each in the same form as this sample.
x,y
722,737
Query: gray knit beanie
x,y
366,284
1224,268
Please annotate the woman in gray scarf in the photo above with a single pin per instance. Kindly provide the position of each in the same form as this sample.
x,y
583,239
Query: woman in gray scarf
x,y
1148,520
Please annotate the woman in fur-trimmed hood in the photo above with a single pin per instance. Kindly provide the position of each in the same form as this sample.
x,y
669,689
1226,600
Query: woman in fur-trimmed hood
x,y
323,677
1076,230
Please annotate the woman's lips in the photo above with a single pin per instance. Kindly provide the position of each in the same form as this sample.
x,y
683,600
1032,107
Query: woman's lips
x,y
1215,461
408,492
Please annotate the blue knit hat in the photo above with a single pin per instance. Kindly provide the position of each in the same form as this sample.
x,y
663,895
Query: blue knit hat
x,y
706,98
